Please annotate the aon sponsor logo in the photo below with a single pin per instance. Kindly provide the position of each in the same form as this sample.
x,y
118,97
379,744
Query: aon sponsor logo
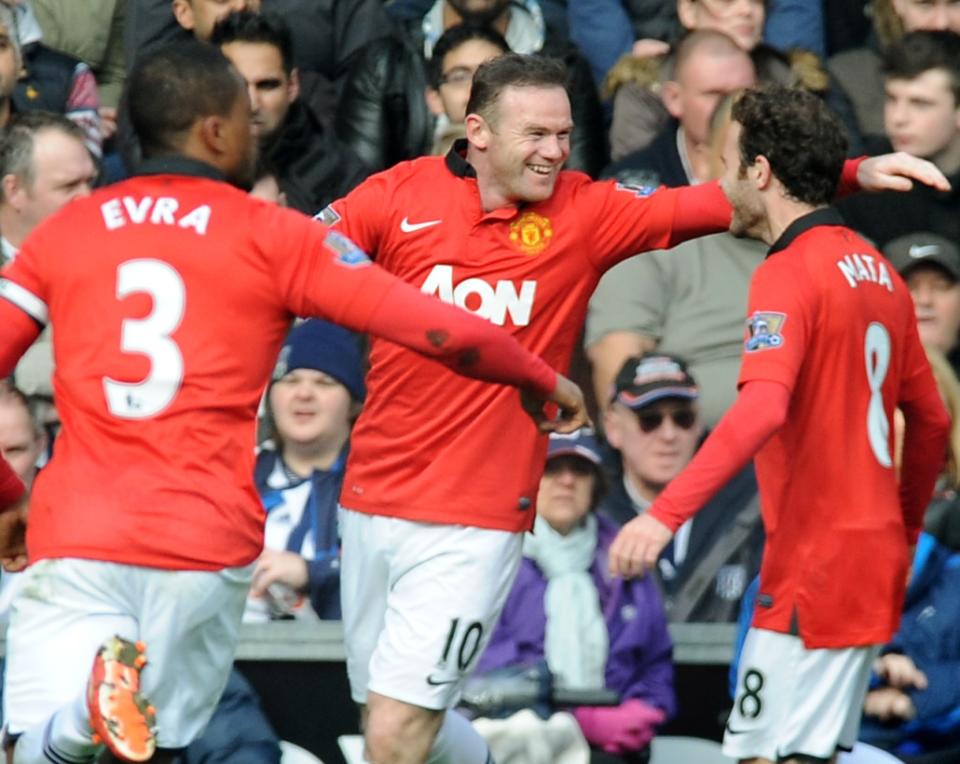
x,y
494,302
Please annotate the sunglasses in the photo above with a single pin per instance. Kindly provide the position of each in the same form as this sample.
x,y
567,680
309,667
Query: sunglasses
x,y
651,420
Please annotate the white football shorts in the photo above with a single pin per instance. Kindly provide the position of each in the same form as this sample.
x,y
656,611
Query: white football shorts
x,y
420,601
793,700
66,608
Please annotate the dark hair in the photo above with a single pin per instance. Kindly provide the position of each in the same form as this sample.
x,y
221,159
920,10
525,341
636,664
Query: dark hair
x,y
248,26
452,39
798,134
919,52
17,140
173,86
512,70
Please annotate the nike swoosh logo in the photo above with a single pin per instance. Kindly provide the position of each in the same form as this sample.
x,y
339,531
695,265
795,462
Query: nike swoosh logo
x,y
407,227
437,682
736,732
923,250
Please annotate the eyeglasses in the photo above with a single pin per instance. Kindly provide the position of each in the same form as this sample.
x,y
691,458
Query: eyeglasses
x,y
651,420
459,76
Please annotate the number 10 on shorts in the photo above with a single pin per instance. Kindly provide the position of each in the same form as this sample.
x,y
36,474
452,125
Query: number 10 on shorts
x,y
462,644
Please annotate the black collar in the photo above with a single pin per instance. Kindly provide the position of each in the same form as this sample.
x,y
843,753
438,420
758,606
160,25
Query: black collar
x,y
457,160
821,216
176,164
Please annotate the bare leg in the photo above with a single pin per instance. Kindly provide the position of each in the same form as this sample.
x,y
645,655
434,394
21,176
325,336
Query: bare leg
x,y
398,733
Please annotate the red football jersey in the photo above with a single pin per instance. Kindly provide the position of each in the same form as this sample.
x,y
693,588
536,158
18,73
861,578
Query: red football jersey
x,y
830,319
170,297
433,447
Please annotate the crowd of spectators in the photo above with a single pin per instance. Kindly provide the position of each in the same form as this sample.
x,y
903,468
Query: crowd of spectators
x,y
341,89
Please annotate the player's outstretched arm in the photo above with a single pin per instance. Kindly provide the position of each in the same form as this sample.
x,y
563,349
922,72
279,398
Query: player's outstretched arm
x,y
758,413
898,172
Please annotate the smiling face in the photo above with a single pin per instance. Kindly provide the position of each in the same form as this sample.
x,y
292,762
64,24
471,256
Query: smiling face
x,y
519,150
310,407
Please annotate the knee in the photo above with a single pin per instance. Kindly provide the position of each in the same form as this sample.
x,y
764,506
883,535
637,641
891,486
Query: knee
x,y
398,732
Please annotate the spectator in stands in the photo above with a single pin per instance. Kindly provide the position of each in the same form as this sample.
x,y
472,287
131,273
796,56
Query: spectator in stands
x,y
313,400
922,116
44,164
91,31
53,81
22,442
312,167
326,36
382,115
315,395
635,83
705,66
688,302
592,630
605,30
11,62
859,71
456,56
654,424
930,265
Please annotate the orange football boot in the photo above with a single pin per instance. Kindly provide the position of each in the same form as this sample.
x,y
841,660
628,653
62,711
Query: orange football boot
x,y
122,718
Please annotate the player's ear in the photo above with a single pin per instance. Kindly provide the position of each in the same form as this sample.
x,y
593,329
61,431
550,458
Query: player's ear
x,y
761,171
212,133
478,131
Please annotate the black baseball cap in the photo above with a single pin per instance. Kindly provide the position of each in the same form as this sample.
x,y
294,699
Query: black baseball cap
x,y
913,249
651,377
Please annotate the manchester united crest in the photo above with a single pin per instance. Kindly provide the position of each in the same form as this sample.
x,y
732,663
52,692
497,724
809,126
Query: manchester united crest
x,y
531,233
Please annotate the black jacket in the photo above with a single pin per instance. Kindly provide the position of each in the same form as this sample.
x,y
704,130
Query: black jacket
x,y
888,214
314,168
384,119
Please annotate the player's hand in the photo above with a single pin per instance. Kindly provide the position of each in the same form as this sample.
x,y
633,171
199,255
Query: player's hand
x,y
637,546
889,704
278,567
899,671
897,171
569,399
13,535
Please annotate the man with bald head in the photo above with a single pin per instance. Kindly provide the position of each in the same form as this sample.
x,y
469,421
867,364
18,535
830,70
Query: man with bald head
x,y
707,66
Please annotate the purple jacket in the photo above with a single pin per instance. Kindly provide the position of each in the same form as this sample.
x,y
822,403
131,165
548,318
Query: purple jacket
x,y
639,664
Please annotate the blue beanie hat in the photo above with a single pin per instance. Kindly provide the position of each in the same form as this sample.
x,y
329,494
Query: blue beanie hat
x,y
326,347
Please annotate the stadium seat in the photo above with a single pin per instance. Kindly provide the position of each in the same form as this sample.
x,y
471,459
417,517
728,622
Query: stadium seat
x,y
669,749
291,753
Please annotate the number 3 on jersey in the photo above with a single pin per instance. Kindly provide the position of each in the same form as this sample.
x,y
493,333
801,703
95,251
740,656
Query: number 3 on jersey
x,y
876,351
151,337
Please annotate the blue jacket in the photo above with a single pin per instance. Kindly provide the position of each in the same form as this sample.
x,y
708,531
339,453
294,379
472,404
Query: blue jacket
x,y
639,664
930,635
314,536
